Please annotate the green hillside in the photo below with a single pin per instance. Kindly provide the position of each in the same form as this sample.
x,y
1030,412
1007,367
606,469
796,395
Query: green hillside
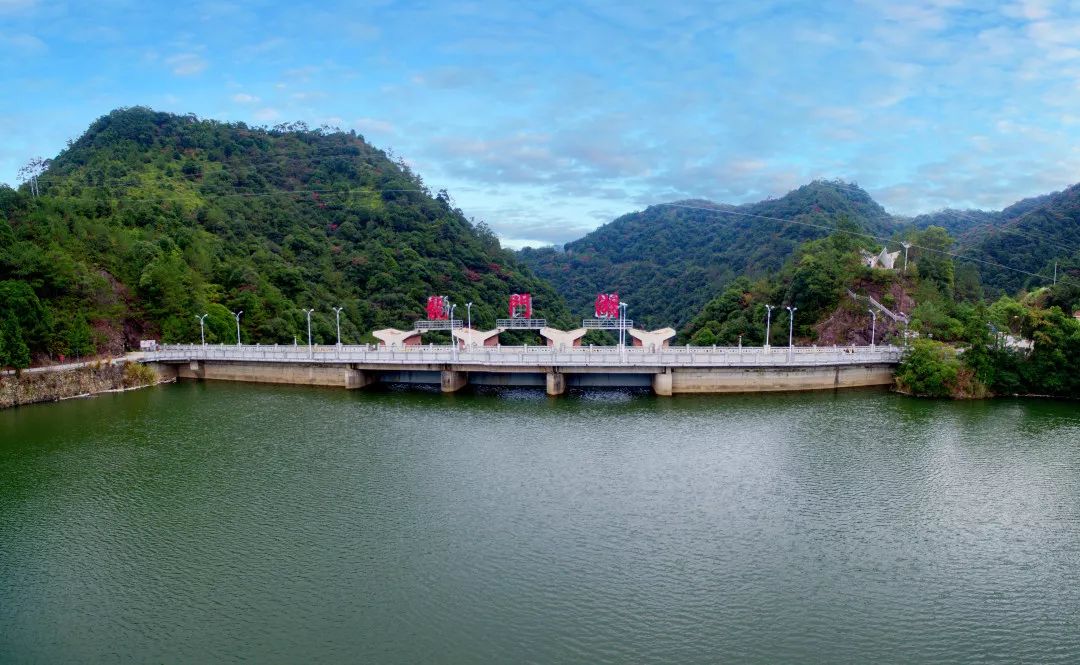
x,y
667,261
1029,236
150,218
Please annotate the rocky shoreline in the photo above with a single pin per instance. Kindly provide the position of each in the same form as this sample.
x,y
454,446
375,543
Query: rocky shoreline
x,y
31,388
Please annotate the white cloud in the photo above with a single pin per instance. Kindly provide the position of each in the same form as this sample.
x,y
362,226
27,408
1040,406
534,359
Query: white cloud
x,y
1032,10
13,6
244,98
186,64
374,126
24,44
267,114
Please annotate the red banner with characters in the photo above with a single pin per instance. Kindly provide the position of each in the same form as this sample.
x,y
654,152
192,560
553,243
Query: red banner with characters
x,y
438,308
607,306
521,306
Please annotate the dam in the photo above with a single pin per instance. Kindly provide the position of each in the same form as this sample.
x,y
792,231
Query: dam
x,y
666,370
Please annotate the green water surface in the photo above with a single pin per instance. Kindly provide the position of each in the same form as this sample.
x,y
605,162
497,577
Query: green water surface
x,y
214,522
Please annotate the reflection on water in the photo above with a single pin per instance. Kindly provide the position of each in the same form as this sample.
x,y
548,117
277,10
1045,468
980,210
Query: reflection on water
x,y
217,522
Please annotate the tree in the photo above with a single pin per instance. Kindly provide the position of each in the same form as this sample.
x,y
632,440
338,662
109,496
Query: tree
x,y
30,172
978,355
934,262
13,350
7,236
929,369
79,338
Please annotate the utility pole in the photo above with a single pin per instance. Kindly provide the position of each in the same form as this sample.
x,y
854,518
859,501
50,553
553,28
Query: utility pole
x,y
873,326
237,315
202,328
768,322
337,315
310,350
1055,273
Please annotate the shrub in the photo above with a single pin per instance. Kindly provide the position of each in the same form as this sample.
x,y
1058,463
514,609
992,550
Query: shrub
x,y
137,374
929,369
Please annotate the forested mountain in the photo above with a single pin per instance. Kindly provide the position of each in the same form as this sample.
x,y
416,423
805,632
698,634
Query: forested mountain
x,y
956,222
150,218
1028,236
669,260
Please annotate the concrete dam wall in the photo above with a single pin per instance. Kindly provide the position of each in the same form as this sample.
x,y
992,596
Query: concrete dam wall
x,y
555,379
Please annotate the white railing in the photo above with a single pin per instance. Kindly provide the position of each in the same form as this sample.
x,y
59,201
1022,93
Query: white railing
x,y
536,356
521,324
438,324
607,324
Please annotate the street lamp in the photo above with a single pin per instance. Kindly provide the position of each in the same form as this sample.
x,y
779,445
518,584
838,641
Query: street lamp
x,y
791,330
906,246
237,315
453,342
768,321
622,328
202,327
468,314
337,316
873,326
311,352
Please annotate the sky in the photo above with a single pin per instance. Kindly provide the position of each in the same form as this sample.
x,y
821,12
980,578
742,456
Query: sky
x,y
547,119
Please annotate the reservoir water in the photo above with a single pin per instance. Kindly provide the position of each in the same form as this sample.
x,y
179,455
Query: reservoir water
x,y
223,523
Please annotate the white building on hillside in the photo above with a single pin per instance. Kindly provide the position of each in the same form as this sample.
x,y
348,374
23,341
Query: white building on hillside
x,y
885,260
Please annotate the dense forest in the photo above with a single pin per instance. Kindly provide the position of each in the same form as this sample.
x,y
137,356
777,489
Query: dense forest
x,y
961,344
669,260
829,283
149,219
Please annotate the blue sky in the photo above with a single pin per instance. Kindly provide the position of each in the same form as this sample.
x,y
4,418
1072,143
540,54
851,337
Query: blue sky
x,y
548,119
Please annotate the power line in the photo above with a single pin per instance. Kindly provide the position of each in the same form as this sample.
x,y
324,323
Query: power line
x,y
982,223
855,233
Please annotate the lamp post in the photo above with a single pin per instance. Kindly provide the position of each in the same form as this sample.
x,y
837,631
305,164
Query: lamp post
x,y
906,245
453,342
791,330
468,316
622,328
310,351
202,328
337,316
237,315
768,322
873,327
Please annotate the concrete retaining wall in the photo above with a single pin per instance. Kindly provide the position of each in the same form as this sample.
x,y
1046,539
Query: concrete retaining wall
x,y
289,373
748,380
